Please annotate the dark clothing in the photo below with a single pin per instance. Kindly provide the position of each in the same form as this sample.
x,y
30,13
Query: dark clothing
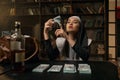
x,y
81,51
52,53
80,47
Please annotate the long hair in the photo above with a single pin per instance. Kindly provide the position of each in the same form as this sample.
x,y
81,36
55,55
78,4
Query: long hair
x,y
81,38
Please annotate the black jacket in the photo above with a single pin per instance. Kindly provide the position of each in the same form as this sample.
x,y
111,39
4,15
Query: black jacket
x,y
80,47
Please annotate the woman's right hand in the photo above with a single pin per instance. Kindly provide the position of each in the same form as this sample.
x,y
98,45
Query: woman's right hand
x,y
48,26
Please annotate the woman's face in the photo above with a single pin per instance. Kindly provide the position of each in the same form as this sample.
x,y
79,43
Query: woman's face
x,y
72,25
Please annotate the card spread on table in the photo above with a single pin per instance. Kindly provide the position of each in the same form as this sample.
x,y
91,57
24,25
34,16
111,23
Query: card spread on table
x,y
55,68
84,68
69,68
40,68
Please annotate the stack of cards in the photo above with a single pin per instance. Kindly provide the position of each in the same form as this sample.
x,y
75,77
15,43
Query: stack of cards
x,y
40,68
55,68
69,68
84,68
57,19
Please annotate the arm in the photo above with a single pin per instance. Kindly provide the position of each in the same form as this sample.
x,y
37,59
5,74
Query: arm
x,y
82,51
50,47
53,53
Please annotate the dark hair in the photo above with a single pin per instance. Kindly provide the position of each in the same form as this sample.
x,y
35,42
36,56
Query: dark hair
x,y
81,38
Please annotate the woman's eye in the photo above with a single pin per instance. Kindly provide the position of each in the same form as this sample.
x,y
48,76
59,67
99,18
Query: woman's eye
x,y
68,22
75,22
72,22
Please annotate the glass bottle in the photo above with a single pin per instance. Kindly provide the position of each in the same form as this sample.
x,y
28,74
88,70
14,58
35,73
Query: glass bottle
x,y
17,47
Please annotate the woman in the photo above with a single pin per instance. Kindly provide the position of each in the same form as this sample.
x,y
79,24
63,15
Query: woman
x,y
76,41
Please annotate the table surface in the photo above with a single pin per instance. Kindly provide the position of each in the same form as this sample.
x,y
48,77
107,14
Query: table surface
x,y
101,70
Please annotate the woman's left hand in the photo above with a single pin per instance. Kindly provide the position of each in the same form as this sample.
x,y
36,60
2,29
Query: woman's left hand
x,y
60,32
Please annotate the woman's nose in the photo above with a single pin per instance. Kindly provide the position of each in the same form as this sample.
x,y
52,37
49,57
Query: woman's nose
x,y
71,23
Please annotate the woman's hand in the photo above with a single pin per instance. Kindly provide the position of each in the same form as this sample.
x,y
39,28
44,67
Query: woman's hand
x,y
60,32
69,38
48,26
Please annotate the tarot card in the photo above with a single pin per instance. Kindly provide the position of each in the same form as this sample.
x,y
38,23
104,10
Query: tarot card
x,y
40,68
55,68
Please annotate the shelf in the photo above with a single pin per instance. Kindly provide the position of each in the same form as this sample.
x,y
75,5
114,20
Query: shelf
x,y
93,14
27,16
27,4
93,28
54,2
5,2
88,1
97,55
89,14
